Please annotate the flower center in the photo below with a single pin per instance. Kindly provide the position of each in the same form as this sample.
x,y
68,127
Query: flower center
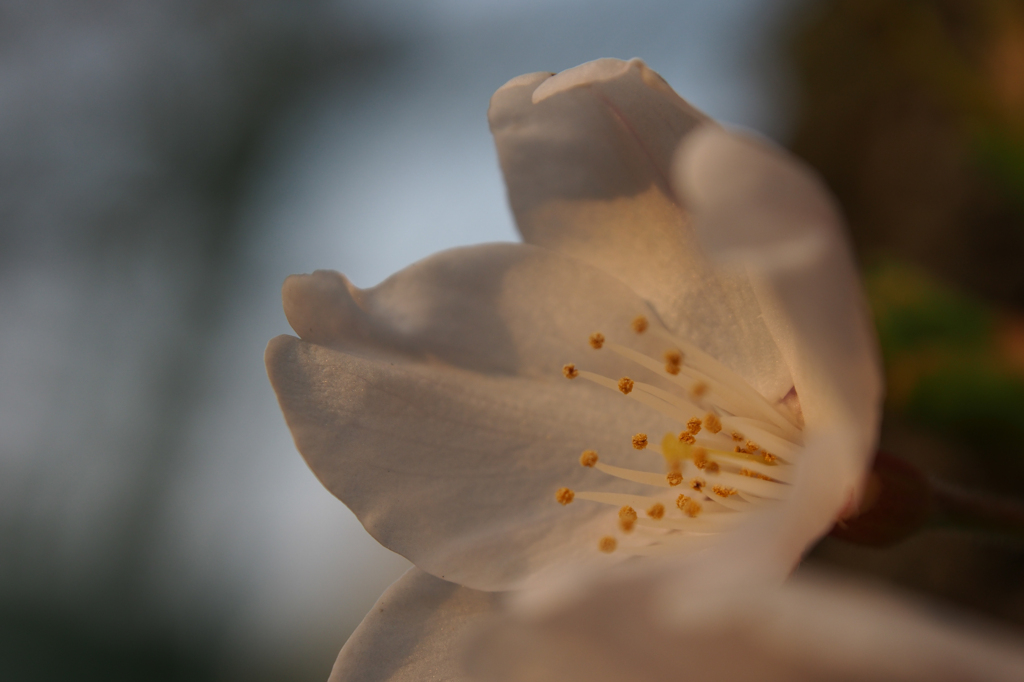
x,y
735,453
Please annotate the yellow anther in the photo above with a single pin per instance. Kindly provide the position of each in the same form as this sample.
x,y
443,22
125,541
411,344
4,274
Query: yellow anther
x,y
627,518
699,389
693,425
698,484
712,468
688,506
607,544
640,441
752,447
570,371
769,458
700,458
712,423
640,324
656,511
588,458
564,496
673,361
755,474
687,438
737,448
723,491
625,385
674,478
737,436
596,340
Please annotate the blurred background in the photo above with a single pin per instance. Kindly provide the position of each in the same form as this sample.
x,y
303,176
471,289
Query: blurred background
x,y
164,166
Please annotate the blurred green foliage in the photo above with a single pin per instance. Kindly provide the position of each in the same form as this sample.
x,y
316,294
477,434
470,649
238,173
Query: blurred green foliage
x,y
952,361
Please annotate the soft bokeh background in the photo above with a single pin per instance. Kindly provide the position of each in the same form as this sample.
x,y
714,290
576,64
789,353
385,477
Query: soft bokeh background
x,y
164,165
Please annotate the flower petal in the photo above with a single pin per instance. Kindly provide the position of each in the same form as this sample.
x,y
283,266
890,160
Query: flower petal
x,y
586,156
434,407
508,309
414,632
813,628
758,209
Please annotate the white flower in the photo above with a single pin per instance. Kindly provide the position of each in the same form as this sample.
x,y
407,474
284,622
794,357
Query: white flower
x,y
434,404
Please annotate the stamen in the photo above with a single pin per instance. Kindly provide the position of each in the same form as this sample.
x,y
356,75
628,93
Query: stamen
x,y
688,506
734,502
617,499
777,473
695,390
730,485
766,489
673,361
651,399
647,396
719,400
707,526
700,360
656,511
755,474
645,477
767,435
670,398
627,518
755,460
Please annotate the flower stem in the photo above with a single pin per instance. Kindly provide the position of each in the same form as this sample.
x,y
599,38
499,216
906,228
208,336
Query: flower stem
x,y
900,501
966,510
